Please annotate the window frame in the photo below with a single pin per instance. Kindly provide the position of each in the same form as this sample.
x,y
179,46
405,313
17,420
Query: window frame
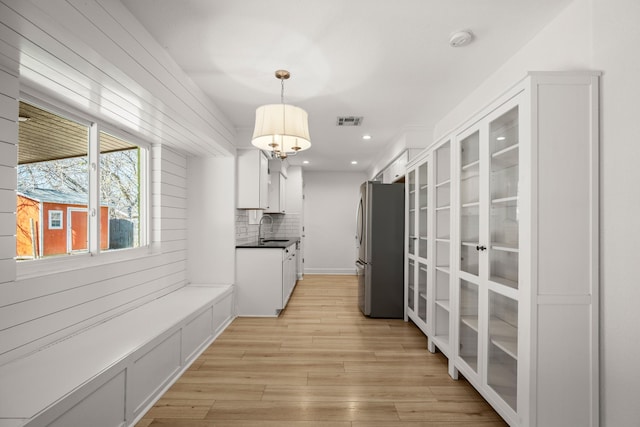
x,y
50,219
93,255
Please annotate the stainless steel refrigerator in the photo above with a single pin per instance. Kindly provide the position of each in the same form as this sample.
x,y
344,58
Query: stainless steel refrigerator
x,y
380,241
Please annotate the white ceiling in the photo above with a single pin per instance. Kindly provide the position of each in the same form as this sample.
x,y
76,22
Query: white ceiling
x,y
388,61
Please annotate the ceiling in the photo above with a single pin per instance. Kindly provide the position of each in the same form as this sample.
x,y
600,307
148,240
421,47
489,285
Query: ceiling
x,y
387,61
45,136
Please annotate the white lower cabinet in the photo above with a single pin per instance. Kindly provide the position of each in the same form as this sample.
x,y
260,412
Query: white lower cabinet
x,y
509,242
265,278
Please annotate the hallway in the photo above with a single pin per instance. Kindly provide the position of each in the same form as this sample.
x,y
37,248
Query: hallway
x,y
320,363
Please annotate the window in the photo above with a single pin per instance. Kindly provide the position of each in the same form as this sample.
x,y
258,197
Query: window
x,y
80,188
120,190
55,220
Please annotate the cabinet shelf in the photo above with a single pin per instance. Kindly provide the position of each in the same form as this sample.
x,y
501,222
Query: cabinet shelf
x,y
443,208
504,336
470,321
444,303
510,201
505,282
470,204
443,183
444,269
505,247
507,157
443,239
471,166
473,244
423,296
441,341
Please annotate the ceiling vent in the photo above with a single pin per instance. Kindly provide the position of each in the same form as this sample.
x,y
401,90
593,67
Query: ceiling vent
x,y
349,121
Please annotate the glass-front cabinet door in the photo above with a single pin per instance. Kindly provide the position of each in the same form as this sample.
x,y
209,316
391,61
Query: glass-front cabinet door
x,y
418,241
411,285
489,239
423,239
411,210
469,208
503,253
503,262
470,203
442,253
423,215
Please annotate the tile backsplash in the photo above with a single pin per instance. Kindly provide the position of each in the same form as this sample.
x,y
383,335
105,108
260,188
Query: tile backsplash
x,y
283,226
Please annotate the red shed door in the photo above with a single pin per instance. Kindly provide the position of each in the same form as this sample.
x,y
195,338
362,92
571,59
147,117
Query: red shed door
x,y
77,230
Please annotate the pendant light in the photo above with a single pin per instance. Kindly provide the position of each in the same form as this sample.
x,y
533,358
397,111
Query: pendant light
x,y
281,129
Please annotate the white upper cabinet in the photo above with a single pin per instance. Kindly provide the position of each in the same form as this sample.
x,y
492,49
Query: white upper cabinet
x,y
277,193
397,169
253,179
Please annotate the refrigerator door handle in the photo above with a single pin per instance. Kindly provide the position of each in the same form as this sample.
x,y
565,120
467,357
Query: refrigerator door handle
x,y
359,222
360,264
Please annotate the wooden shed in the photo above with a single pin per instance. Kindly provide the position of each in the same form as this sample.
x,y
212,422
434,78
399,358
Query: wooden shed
x,y
51,222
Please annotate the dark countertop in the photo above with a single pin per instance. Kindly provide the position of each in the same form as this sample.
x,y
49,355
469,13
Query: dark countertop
x,y
271,243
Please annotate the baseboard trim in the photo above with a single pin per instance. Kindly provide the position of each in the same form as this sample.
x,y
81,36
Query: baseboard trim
x,y
337,271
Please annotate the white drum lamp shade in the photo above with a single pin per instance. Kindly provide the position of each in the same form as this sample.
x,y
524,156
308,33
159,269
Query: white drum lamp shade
x,y
281,128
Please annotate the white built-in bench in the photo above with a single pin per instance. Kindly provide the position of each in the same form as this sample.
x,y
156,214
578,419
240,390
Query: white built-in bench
x,y
110,374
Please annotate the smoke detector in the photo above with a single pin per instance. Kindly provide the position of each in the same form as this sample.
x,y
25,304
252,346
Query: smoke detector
x,y
460,38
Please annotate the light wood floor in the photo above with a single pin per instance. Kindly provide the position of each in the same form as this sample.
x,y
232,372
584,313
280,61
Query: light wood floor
x,y
321,363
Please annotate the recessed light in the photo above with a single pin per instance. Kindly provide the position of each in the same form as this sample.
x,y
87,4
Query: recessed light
x,y
306,162
353,162
366,137
501,138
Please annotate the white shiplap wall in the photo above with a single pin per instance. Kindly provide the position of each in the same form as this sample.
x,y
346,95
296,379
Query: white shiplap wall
x,y
92,56
8,160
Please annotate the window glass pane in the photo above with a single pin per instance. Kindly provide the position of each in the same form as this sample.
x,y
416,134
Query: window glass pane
x,y
120,194
53,185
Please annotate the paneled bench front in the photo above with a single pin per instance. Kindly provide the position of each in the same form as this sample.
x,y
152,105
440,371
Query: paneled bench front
x,y
111,373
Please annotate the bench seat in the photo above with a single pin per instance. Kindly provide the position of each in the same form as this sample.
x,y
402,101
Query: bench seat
x,y
123,364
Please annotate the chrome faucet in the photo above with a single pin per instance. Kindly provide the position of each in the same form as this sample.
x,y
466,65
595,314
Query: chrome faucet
x,y
260,238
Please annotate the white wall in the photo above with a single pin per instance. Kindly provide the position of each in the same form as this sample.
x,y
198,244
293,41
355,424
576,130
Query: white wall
x,y
616,39
564,44
330,201
211,213
602,35
294,190
8,158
